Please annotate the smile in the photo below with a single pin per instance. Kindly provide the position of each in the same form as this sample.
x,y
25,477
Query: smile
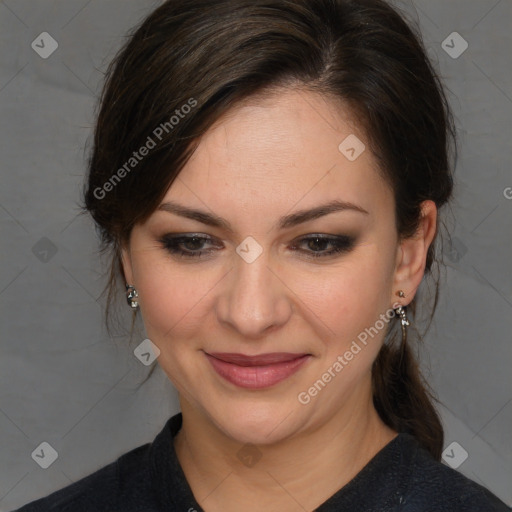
x,y
256,372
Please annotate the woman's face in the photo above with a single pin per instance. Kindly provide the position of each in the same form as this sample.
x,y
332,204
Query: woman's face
x,y
260,282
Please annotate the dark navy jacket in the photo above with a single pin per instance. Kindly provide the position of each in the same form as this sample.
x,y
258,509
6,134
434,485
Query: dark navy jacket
x,y
402,477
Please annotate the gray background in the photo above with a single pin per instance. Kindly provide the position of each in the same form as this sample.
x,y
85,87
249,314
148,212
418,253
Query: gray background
x,y
64,381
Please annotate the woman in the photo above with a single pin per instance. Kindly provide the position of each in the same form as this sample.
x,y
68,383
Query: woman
x,y
268,175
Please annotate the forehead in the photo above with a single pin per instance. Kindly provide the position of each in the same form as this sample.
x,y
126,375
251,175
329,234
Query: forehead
x,y
273,152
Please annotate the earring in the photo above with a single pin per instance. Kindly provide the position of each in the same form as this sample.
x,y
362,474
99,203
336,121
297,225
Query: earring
x,y
131,296
400,311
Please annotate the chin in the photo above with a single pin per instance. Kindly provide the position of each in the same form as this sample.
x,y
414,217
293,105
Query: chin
x,y
255,423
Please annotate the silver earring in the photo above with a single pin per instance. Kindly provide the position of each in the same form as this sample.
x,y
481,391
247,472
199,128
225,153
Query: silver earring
x,y
401,312
131,296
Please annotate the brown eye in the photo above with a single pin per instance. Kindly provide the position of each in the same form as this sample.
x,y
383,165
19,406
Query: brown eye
x,y
316,245
188,246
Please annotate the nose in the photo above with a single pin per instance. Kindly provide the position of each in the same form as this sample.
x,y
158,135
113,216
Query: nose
x,y
254,300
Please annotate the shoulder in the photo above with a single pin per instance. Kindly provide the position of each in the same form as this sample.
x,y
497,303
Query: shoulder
x,y
110,487
434,487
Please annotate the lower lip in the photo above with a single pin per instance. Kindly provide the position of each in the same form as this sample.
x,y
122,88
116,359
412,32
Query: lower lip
x,y
256,377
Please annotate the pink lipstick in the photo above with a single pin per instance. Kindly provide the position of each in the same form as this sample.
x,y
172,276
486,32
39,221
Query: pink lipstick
x,y
256,372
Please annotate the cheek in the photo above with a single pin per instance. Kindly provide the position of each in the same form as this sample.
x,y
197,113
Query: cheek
x,y
173,304
350,302
170,293
352,295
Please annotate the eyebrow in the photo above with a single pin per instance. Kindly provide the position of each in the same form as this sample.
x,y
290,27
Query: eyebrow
x,y
285,222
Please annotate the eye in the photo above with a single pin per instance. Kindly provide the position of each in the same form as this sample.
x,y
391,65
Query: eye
x,y
193,245
317,242
187,246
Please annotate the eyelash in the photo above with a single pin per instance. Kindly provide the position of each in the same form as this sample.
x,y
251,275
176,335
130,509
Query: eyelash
x,y
341,243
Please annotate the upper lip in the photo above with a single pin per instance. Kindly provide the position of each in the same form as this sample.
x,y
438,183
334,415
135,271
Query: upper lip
x,y
258,360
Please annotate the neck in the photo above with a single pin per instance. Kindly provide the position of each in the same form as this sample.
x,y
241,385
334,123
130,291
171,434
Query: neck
x,y
299,472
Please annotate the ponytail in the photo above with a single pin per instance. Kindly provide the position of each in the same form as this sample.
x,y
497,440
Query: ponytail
x,y
403,400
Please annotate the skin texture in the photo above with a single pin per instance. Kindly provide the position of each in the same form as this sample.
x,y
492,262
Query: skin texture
x,y
270,157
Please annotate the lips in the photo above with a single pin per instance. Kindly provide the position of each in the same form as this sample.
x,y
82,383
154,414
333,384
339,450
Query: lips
x,y
256,372
259,360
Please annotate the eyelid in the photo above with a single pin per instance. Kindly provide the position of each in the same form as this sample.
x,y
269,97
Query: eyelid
x,y
189,236
341,244
300,238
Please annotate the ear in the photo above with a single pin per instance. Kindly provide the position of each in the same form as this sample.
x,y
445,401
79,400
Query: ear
x,y
412,255
126,264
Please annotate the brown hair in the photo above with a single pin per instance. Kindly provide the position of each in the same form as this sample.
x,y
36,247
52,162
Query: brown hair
x,y
190,62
